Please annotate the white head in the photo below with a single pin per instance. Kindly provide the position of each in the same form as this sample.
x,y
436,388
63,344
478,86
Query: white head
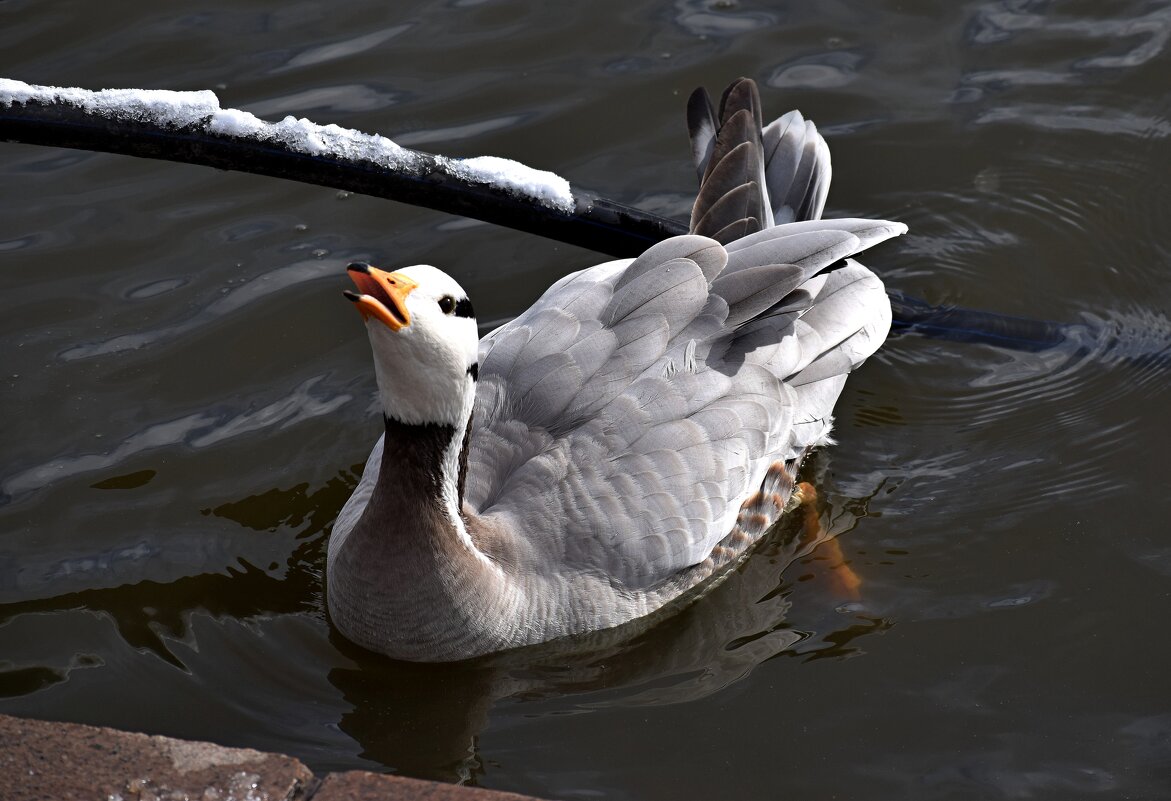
x,y
425,342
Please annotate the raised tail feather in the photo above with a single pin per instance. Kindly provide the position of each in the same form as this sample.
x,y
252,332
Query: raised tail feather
x,y
753,176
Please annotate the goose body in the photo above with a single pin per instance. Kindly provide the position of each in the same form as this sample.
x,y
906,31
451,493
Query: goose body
x,y
626,438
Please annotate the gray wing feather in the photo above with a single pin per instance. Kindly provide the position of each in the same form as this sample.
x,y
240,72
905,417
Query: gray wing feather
x,y
709,256
752,290
621,420
869,232
676,291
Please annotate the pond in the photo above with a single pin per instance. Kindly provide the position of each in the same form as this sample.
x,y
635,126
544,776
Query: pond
x,y
188,399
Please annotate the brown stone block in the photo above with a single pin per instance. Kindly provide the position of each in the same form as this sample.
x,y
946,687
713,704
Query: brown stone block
x,y
358,785
42,761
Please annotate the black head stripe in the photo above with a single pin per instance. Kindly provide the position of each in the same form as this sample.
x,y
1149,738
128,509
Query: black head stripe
x,y
474,371
463,308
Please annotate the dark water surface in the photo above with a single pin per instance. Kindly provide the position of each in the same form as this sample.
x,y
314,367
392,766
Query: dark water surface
x,y
187,396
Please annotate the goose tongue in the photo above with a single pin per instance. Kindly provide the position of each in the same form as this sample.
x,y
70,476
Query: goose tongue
x,y
384,295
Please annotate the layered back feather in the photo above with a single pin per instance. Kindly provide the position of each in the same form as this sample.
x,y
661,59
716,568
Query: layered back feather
x,y
627,420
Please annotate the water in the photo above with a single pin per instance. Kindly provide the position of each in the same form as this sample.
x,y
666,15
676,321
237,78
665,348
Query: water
x,y
188,398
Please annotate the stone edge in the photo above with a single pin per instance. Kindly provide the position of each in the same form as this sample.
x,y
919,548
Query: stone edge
x,y
47,761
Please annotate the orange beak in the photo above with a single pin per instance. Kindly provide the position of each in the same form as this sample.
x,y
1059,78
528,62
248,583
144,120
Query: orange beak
x,y
384,295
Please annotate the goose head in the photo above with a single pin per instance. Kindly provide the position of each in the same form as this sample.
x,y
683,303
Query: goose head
x,y
425,341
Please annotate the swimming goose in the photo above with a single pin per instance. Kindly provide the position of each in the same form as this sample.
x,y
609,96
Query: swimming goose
x,y
624,441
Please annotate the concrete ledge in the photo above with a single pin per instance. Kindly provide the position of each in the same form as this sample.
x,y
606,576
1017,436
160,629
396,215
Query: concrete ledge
x,y
43,761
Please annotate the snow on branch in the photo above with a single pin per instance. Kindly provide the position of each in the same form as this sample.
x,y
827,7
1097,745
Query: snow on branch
x,y
201,111
192,127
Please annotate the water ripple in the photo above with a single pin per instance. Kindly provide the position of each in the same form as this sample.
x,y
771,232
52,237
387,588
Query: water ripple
x,y
1081,392
465,131
996,22
197,430
322,54
343,98
820,71
1062,117
705,18
262,287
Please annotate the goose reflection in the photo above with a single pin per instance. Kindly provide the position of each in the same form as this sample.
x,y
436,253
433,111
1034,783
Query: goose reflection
x,y
425,719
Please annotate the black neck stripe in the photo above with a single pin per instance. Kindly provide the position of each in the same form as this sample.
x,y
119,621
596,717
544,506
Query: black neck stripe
x,y
474,371
412,458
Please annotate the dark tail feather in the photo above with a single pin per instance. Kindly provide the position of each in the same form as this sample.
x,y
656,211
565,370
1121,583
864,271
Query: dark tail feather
x,y
752,177
729,157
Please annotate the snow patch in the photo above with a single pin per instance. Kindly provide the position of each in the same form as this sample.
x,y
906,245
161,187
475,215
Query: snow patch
x,y
201,109
547,187
144,105
305,136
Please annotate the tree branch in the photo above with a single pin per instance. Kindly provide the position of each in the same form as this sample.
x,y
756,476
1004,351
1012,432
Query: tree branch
x,y
191,128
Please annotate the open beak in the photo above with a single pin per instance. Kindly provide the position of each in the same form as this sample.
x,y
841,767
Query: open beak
x,y
383,295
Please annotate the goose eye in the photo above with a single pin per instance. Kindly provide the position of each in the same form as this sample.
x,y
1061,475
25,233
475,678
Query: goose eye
x,y
447,304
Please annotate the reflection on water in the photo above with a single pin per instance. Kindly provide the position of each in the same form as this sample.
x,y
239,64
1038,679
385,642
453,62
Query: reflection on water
x,y
424,720
185,390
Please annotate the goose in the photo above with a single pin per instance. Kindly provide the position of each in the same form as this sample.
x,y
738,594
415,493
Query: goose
x,y
624,442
